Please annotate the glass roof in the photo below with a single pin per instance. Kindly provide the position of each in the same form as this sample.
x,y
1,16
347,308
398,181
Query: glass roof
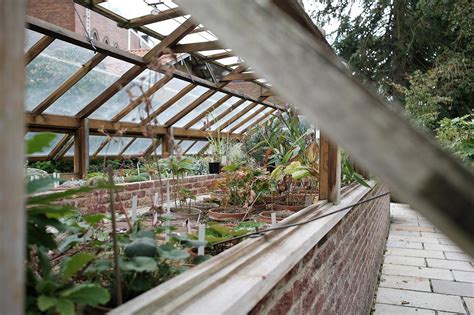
x,y
240,119
216,112
51,68
166,92
115,146
31,37
89,87
46,151
199,110
138,146
230,115
135,8
94,143
253,120
195,149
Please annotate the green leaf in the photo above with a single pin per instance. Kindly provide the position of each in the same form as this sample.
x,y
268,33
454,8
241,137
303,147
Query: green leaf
x,y
39,142
168,251
68,242
75,263
200,259
65,307
45,302
299,174
231,167
100,265
93,219
44,262
87,294
139,264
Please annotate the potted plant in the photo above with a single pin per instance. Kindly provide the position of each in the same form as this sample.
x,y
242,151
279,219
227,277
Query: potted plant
x,y
217,149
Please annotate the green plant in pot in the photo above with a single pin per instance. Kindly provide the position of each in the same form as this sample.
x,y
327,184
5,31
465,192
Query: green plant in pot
x,y
216,150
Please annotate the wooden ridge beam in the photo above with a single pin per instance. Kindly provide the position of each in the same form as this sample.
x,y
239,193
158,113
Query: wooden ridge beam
x,y
73,79
194,47
169,103
151,18
37,48
249,118
418,170
207,111
139,100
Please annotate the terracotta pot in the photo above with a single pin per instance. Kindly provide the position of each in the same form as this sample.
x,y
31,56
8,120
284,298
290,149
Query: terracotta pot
x,y
280,207
205,206
185,212
220,214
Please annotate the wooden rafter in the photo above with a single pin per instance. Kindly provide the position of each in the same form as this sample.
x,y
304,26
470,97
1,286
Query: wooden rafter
x,y
193,47
64,149
73,79
37,48
155,144
139,100
57,148
207,111
126,146
235,117
133,72
259,121
102,145
218,56
246,120
151,18
203,149
169,103
222,115
240,77
192,144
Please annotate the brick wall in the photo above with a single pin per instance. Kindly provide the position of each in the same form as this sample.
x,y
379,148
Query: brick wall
x,y
58,12
99,200
339,275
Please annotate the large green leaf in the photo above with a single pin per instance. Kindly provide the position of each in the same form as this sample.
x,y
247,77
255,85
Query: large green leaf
x,y
65,307
71,265
87,294
39,142
45,302
139,264
44,263
168,251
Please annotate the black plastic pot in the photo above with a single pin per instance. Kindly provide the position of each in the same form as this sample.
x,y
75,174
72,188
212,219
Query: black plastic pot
x,y
214,167
271,167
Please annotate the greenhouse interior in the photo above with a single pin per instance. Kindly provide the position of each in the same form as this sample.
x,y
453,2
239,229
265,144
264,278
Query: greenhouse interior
x,y
237,157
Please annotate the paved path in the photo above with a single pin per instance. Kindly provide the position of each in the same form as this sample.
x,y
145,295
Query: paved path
x,y
423,272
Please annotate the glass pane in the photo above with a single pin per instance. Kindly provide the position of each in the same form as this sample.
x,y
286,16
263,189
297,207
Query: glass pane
x,y
198,38
94,143
45,151
138,146
157,151
51,68
252,121
185,144
230,60
135,8
31,37
89,87
126,95
199,110
246,115
114,147
70,151
195,149
168,26
159,98
181,104
215,113
230,115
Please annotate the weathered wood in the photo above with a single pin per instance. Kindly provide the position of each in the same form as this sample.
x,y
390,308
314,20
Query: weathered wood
x,y
240,77
126,147
167,143
169,103
64,149
37,48
334,174
323,167
193,47
12,195
207,111
63,88
139,100
218,56
416,168
81,149
151,18
63,142
246,120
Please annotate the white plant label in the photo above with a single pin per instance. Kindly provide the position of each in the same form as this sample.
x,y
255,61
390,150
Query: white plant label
x,y
134,208
201,238
274,219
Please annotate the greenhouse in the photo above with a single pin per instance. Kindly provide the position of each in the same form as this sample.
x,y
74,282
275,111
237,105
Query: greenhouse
x,y
234,157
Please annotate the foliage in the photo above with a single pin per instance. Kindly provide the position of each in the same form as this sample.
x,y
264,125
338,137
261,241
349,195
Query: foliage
x,y
349,174
215,233
457,135
217,145
185,197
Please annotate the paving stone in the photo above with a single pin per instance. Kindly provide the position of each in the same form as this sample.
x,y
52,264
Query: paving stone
x,y
402,282
405,227
444,248
450,264
386,309
401,244
404,260
453,288
404,233
421,272
469,304
463,276
445,241
458,256
433,301
433,234
416,239
415,252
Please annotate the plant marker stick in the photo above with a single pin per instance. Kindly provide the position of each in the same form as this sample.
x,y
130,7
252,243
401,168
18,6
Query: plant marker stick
x,y
168,195
201,238
167,230
118,281
155,200
134,208
274,219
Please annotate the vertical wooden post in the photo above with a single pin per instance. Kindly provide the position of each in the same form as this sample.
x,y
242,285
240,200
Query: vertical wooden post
x,y
329,170
81,149
12,211
166,145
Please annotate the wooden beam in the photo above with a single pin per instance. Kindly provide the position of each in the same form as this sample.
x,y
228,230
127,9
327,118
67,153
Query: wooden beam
x,y
63,88
268,93
259,121
63,142
167,143
192,144
64,149
126,147
102,145
193,47
240,114
418,170
240,77
218,56
12,186
37,48
139,100
133,72
156,143
81,149
334,159
222,115
169,103
151,18
207,111
203,149
249,118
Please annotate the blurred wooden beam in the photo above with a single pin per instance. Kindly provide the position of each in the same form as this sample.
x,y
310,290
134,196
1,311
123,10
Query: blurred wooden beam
x,y
37,48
